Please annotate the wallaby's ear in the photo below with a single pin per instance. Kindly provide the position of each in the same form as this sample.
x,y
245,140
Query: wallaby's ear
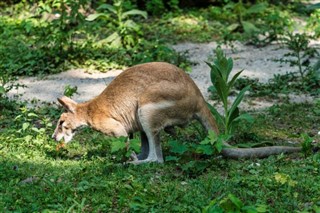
x,y
68,103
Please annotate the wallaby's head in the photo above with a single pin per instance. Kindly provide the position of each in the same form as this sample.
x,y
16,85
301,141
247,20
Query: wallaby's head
x,y
69,121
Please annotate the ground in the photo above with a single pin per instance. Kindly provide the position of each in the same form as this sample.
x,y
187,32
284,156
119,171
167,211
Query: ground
x,y
256,62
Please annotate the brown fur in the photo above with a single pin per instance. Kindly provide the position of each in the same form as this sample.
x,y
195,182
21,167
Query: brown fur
x,y
147,98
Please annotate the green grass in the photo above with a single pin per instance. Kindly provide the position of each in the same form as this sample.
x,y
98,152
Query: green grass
x,y
86,177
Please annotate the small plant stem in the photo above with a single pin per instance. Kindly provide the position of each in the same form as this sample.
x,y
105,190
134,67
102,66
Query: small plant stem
x,y
299,65
226,119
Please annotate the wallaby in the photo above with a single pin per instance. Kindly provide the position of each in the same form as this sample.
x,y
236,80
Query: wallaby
x,y
148,98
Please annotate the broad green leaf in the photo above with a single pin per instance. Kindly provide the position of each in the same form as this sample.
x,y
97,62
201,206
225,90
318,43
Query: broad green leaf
x,y
236,201
257,8
248,27
172,158
135,145
234,115
131,25
234,78
249,209
229,66
108,7
135,12
212,207
216,114
2,90
31,114
205,141
204,149
25,126
222,90
114,40
232,27
93,17
210,139
238,100
212,135
215,72
177,147
245,117
117,145
219,145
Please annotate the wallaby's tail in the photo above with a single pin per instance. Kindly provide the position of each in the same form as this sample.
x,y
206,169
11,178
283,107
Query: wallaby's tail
x,y
260,152
228,151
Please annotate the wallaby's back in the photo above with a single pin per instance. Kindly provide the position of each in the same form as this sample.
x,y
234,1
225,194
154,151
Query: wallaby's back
x,y
154,82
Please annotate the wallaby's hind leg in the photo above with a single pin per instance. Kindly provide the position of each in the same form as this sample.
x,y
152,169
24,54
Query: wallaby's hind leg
x,y
144,146
151,130
154,153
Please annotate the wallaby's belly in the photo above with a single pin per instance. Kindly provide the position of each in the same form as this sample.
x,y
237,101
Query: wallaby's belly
x,y
166,92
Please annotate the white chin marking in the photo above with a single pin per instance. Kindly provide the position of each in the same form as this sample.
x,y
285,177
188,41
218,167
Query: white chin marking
x,y
67,138
59,138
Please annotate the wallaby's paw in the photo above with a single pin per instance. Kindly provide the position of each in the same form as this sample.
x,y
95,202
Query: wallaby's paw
x,y
134,156
148,160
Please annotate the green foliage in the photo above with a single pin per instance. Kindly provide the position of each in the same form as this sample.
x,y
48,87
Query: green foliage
x,y
306,144
300,54
126,29
220,72
124,149
281,84
55,37
231,203
69,91
7,83
258,24
159,7
313,21
85,176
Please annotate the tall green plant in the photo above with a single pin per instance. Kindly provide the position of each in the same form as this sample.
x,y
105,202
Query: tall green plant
x,y
60,31
220,74
126,29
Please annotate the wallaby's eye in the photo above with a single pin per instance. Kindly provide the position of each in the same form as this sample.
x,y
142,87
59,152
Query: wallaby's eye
x,y
66,128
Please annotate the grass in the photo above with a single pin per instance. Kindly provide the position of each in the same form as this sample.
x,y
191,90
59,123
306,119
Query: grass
x,y
86,177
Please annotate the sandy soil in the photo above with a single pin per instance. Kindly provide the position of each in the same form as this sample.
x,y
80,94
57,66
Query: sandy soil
x,y
256,62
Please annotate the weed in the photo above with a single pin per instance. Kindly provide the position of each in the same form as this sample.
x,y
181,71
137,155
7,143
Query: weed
x,y
127,30
306,144
220,71
69,91
313,21
300,54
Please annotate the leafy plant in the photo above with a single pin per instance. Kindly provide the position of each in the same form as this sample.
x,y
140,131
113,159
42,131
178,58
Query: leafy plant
x,y
126,29
124,148
69,90
242,12
57,34
7,83
220,73
158,7
300,54
306,144
313,21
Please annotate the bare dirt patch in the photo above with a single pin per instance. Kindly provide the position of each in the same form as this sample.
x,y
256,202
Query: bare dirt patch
x,y
256,62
